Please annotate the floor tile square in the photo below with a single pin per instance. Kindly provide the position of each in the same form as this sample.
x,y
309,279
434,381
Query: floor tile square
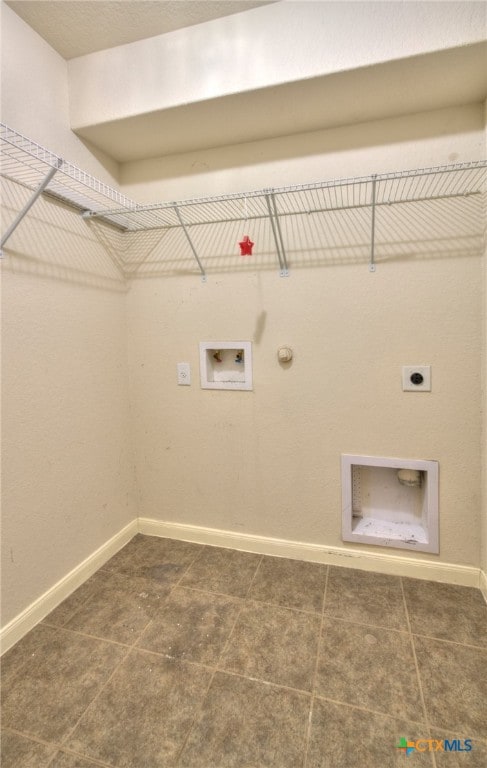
x,y
290,583
192,625
143,715
247,724
17,656
343,737
454,684
370,668
446,611
163,560
119,607
275,644
66,610
48,694
20,752
222,570
365,598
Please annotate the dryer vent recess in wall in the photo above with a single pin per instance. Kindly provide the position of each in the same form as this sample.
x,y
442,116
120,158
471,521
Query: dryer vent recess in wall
x,y
390,502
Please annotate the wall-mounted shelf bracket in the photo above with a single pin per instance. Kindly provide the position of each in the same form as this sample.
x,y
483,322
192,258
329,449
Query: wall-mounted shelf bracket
x,y
372,266
37,193
191,245
276,231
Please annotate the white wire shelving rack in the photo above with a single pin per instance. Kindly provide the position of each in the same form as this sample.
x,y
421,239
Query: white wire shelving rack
x,y
280,209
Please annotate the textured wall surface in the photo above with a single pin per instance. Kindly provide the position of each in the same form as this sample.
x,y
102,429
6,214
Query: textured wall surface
x,y
35,96
67,467
267,462
67,460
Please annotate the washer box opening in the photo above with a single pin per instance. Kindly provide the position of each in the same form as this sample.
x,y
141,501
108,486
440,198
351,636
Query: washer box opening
x,y
390,502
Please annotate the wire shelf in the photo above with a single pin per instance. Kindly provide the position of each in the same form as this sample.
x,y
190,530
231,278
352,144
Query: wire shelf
x,y
342,194
306,217
27,163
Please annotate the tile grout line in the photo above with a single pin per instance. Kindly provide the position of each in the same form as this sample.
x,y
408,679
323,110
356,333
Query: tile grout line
x,y
79,633
216,668
117,666
31,737
94,760
110,573
450,642
369,711
174,660
243,600
190,565
59,745
129,649
55,745
231,673
75,611
370,626
267,683
253,600
313,682
418,676
174,586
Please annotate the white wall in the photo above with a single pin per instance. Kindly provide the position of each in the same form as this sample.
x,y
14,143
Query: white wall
x,y
443,136
268,462
35,97
67,463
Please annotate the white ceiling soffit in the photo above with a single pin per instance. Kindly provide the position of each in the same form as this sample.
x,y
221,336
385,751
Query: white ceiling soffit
x,y
406,86
77,27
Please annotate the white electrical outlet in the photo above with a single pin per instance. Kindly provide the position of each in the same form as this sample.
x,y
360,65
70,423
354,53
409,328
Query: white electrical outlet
x,y
184,373
416,378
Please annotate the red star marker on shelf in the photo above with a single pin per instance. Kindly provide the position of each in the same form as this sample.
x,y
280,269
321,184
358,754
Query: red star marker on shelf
x,y
246,246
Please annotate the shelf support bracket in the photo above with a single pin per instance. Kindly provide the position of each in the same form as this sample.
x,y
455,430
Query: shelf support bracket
x,y
191,245
37,193
372,266
276,231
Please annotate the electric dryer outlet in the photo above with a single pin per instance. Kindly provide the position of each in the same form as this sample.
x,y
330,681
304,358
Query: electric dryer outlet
x,y
416,378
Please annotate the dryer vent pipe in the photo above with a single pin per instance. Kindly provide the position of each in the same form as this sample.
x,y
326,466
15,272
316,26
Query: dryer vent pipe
x,y
411,477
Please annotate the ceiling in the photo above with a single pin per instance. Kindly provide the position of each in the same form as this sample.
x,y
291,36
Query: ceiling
x,y
77,27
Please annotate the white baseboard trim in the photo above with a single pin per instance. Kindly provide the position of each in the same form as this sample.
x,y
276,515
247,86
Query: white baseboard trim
x,y
40,608
396,565
483,584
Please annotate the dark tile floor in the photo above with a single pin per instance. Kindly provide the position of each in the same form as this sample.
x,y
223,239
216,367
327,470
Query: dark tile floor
x,y
176,654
